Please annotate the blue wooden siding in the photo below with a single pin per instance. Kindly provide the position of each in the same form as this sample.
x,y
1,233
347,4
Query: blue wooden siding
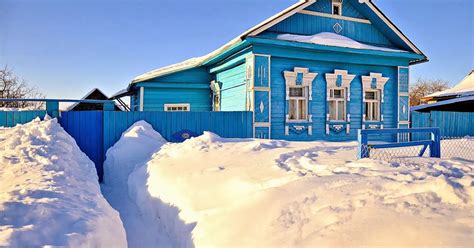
x,y
318,104
12,118
452,124
325,6
323,53
233,91
309,25
189,86
156,98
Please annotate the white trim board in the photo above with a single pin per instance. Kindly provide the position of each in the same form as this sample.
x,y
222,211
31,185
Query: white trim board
x,y
345,18
142,93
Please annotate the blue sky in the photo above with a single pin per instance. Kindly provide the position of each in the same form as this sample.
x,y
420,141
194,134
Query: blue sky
x,y
66,48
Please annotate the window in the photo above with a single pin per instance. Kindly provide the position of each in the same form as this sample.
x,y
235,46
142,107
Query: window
x,y
298,104
337,104
337,7
181,107
372,105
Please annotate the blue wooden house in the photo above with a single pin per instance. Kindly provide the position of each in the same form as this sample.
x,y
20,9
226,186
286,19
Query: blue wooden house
x,y
318,70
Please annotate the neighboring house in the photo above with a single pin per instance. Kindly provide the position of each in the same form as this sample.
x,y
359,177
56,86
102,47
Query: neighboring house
x,y
94,94
317,70
460,98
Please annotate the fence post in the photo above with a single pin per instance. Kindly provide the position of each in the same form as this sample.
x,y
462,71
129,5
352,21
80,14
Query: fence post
x,y
52,108
109,106
363,149
435,147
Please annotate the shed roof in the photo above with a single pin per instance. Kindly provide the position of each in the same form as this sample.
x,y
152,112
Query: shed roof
x,y
259,28
464,88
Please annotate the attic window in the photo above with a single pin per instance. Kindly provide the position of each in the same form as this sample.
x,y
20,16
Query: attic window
x,y
337,7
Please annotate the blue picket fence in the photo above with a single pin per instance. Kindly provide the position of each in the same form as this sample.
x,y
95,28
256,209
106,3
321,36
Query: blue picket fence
x,y
12,118
451,124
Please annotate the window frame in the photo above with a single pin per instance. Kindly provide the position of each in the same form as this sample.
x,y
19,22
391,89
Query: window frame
x,y
338,101
168,107
371,102
336,4
297,99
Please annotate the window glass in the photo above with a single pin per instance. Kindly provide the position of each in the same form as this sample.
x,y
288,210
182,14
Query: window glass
x,y
296,92
302,107
292,109
336,10
338,93
340,110
298,103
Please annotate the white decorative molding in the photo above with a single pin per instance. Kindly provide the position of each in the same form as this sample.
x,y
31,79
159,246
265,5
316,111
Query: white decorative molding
x,y
337,28
308,78
331,79
380,83
262,107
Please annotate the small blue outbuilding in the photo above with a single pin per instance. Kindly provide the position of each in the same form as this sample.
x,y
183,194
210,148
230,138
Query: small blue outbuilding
x,y
319,70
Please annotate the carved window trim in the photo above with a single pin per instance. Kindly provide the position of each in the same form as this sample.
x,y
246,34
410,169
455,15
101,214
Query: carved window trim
x,y
374,82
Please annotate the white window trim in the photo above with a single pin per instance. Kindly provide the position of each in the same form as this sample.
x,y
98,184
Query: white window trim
x,y
380,85
371,101
290,81
331,79
339,4
176,105
337,100
305,98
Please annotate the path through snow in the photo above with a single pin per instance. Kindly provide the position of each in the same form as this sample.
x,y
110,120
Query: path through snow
x,y
135,147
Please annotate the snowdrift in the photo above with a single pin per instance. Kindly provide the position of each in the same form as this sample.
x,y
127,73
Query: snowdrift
x,y
131,152
215,192
49,192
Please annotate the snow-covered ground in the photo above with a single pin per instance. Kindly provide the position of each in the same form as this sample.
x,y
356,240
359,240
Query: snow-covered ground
x,y
215,192
49,192
135,147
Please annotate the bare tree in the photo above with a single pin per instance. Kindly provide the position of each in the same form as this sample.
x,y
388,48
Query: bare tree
x,y
14,88
424,87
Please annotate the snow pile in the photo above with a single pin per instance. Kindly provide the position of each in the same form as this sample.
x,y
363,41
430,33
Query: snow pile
x,y
332,39
134,148
215,192
49,191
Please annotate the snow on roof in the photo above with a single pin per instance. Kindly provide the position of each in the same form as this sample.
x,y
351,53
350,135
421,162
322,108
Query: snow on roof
x,y
464,88
441,103
259,28
332,39
194,62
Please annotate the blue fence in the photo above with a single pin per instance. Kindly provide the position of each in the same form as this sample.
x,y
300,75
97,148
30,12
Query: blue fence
x,y
366,147
12,118
96,131
451,124
86,127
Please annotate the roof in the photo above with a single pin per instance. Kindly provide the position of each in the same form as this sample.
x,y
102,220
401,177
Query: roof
x,y
442,103
86,96
259,28
464,88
